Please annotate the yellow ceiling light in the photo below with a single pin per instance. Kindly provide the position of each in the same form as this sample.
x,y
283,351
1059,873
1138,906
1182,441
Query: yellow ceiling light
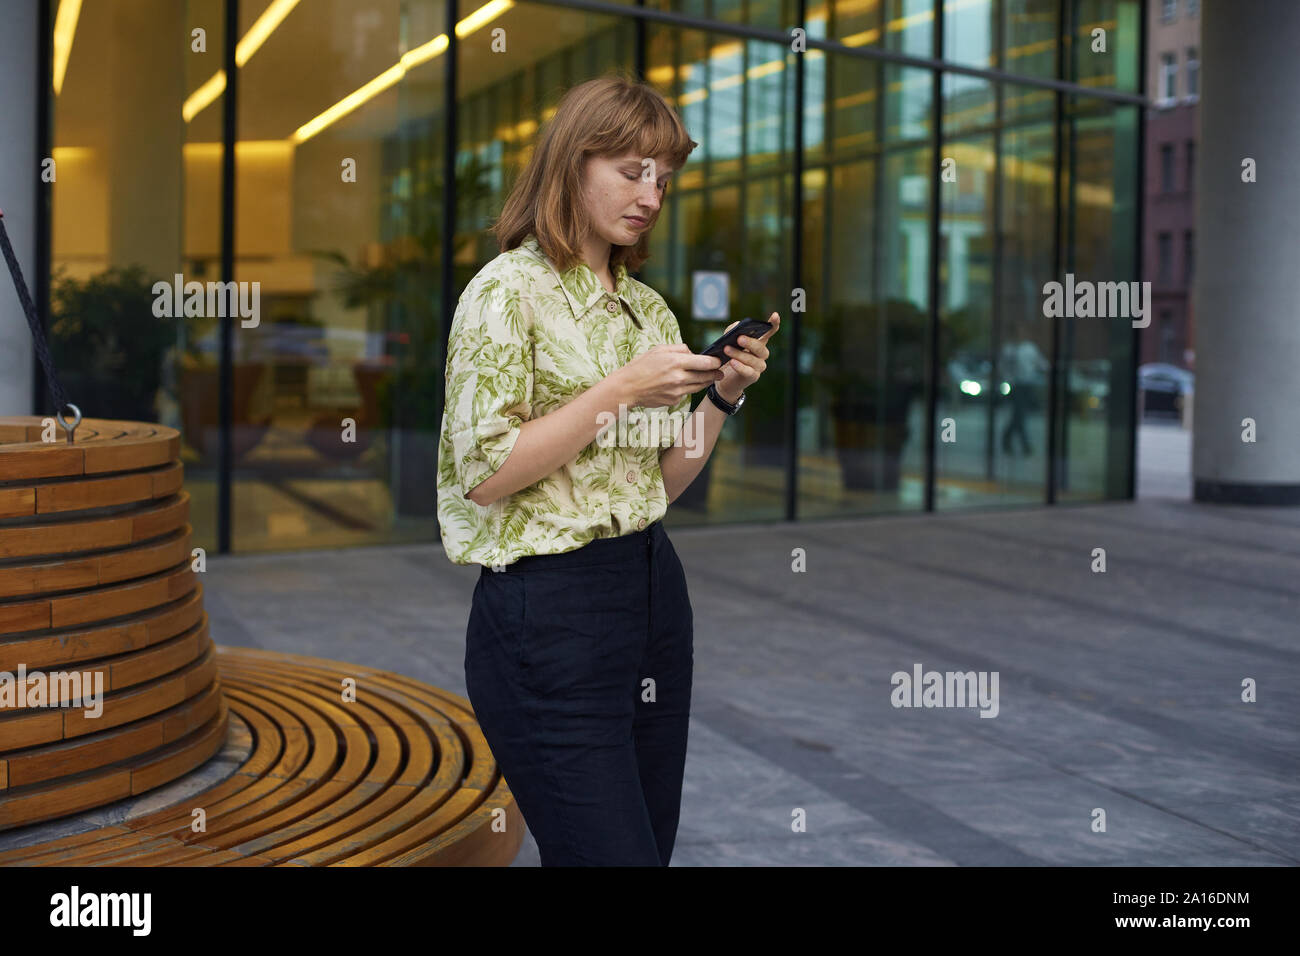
x,y
251,42
266,24
350,102
409,60
202,98
65,28
482,16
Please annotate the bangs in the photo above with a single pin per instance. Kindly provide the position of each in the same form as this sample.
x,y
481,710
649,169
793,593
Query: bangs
x,y
663,135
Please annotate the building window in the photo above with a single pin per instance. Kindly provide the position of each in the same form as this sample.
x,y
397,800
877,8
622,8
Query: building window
x,y
1164,257
1168,11
1193,7
1166,346
1191,165
1166,167
1193,73
1189,256
1168,77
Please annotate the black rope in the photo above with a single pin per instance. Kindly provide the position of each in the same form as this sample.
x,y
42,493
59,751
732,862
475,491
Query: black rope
x,y
38,333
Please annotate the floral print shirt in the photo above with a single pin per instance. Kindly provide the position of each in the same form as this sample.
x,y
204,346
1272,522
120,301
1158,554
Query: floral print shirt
x,y
526,340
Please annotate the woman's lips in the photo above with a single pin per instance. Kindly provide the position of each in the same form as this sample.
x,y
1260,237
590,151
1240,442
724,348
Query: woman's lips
x,y
634,220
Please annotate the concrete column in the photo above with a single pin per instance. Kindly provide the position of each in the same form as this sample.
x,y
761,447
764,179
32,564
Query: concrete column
x,y
1247,287
19,181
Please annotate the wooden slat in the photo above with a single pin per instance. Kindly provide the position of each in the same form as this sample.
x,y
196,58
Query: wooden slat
x,y
140,486
43,764
100,446
400,776
113,531
64,648
66,574
99,604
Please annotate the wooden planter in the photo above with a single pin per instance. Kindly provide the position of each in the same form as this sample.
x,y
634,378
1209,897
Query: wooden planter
x,y
95,581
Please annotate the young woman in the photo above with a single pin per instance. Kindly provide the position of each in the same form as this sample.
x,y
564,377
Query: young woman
x,y
579,649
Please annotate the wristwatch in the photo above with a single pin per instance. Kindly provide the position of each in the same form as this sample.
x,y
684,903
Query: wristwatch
x,y
722,403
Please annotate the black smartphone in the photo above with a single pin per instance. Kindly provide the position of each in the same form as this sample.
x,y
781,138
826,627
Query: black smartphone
x,y
751,327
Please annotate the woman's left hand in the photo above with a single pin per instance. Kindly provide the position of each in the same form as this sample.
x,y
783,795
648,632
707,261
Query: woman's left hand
x,y
747,362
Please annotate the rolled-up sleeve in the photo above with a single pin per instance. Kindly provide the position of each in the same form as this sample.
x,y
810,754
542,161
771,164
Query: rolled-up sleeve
x,y
489,378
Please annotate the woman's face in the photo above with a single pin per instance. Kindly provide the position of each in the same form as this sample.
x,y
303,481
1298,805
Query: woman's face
x,y
615,191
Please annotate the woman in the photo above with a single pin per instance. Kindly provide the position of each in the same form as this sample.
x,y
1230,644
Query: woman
x,y
579,647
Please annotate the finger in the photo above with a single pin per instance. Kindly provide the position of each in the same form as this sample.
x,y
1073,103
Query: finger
x,y
755,352
753,346
696,382
742,361
701,362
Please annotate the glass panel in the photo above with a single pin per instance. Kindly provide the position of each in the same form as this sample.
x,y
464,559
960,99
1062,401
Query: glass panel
x,y
730,212
996,242
967,104
970,32
909,27
768,14
339,221
853,22
136,199
1029,30
1106,40
850,104
1096,390
866,269
1022,342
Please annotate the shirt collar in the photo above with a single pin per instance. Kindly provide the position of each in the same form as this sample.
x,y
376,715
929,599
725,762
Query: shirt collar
x,y
580,285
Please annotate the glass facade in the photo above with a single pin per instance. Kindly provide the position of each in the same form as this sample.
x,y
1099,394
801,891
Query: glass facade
x,y
903,202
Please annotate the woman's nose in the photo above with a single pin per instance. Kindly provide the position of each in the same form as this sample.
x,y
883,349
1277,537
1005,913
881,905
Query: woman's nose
x,y
650,195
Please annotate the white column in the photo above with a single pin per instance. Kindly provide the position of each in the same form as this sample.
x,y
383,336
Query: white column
x,y
1247,286
19,182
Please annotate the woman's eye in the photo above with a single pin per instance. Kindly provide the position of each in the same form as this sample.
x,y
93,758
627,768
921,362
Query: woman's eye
x,y
633,178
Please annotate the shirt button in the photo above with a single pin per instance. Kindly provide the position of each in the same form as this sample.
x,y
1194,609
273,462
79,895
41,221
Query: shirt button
x,y
631,477
611,305
640,524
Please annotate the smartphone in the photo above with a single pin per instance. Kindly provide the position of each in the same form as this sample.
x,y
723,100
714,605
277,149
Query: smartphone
x,y
751,327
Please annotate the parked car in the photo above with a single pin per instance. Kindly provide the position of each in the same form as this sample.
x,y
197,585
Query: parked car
x,y
1166,387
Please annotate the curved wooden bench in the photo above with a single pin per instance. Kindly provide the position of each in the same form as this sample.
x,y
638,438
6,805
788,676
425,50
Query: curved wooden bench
x,y
401,776
96,579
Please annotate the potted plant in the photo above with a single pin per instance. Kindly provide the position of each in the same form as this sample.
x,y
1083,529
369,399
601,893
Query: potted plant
x,y
400,280
106,342
873,363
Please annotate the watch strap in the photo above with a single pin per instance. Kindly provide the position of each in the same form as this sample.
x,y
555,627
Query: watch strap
x,y
726,406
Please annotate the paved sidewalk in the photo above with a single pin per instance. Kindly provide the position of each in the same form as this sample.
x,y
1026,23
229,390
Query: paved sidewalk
x,y
1118,691
1164,461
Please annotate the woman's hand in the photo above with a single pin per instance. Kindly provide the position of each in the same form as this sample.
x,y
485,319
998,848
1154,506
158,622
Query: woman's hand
x,y
664,374
747,362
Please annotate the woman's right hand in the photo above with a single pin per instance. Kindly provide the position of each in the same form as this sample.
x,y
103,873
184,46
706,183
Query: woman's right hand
x,y
665,373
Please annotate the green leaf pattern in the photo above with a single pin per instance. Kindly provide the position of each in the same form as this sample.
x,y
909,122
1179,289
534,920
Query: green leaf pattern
x,y
524,341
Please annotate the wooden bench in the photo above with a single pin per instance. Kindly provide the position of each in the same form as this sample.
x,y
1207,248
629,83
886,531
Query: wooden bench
x,y
96,579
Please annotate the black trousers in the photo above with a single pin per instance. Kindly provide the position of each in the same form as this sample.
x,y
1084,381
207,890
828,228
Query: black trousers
x,y
578,666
